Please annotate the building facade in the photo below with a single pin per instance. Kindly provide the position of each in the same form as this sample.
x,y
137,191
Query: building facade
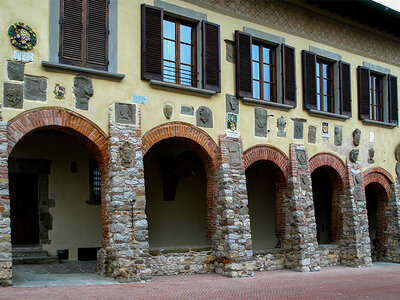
x,y
194,136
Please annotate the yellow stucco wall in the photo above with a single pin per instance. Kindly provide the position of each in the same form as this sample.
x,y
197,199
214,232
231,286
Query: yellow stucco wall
x,y
106,92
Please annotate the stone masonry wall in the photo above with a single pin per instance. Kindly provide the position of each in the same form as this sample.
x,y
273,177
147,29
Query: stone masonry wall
x,y
300,242
233,238
176,261
329,255
125,255
269,259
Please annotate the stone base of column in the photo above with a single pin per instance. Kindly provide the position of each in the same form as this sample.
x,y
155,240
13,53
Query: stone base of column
x,y
235,269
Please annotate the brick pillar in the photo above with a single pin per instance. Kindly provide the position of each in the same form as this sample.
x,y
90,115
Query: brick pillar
x,y
392,234
126,249
233,243
5,223
355,244
300,242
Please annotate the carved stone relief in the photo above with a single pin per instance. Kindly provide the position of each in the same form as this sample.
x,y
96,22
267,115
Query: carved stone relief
x,y
260,125
298,128
83,90
234,153
371,155
356,137
126,153
230,51
125,113
35,88
338,135
13,95
232,104
312,134
167,110
281,124
204,117
354,155
304,181
301,159
187,110
15,70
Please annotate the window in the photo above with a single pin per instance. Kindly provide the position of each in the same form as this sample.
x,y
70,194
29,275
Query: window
x,y
179,46
95,183
377,95
265,69
263,63
179,55
326,84
84,33
324,77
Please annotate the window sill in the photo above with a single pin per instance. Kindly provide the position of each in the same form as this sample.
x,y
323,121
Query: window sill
x,y
378,123
280,106
57,67
328,115
169,86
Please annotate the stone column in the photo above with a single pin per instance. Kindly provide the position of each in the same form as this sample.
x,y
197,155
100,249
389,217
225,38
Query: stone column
x,y
300,242
355,244
125,254
392,233
233,246
5,223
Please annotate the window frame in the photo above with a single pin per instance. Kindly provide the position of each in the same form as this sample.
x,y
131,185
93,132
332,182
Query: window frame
x,y
372,98
321,103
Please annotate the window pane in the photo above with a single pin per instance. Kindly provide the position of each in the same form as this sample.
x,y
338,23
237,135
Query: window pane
x,y
255,53
377,83
318,85
325,70
169,30
256,70
329,87
267,57
319,102
317,69
268,73
329,105
268,91
325,103
186,34
169,71
325,86
256,89
378,113
186,75
186,54
169,50
378,98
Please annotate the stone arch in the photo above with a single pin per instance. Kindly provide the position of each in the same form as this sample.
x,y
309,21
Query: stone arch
x,y
205,147
378,175
70,122
328,159
270,153
281,161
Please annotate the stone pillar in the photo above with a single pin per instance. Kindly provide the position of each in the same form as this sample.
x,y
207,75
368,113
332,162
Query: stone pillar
x,y
355,244
392,234
233,246
126,250
300,242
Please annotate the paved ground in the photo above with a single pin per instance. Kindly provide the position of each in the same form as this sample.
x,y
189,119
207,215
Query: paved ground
x,y
379,282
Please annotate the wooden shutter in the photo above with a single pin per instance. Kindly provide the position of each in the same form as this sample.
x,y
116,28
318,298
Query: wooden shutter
x,y
289,75
345,88
363,92
97,34
244,83
71,32
211,57
309,80
393,106
152,34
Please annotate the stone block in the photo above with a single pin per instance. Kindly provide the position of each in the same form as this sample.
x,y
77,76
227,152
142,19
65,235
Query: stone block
x,y
13,95
232,104
15,70
187,110
261,116
125,113
204,117
83,90
35,88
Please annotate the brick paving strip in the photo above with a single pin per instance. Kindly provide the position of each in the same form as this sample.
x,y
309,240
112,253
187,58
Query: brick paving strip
x,y
379,282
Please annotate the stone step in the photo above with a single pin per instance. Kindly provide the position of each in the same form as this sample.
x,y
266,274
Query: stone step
x,y
35,260
29,253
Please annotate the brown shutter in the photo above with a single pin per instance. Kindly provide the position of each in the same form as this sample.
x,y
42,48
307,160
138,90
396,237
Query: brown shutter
x,y
152,19
289,75
211,57
71,32
244,83
97,34
345,88
309,80
363,93
393,106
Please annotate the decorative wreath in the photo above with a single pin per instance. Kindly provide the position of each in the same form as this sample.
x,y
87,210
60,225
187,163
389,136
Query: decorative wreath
x,y
22,36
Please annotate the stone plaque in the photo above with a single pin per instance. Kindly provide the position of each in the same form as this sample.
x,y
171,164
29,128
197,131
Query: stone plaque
x,y
230,51
35,88
83,90
13,95
125,113
312,134
187,110
298,129
398,169
371,155
357,179
126,154
356,137
234,153
204,117
397,153
354,155
232,104
260,122
15,70
301,158
304,182
167,110
281,124
338,135
358,193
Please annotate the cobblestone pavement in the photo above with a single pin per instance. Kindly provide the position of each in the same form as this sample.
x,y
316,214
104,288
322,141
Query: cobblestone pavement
x,y
379,282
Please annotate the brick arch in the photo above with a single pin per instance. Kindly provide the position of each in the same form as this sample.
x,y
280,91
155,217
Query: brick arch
x,y
327,159
378,175
181,130
269,153
208,151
